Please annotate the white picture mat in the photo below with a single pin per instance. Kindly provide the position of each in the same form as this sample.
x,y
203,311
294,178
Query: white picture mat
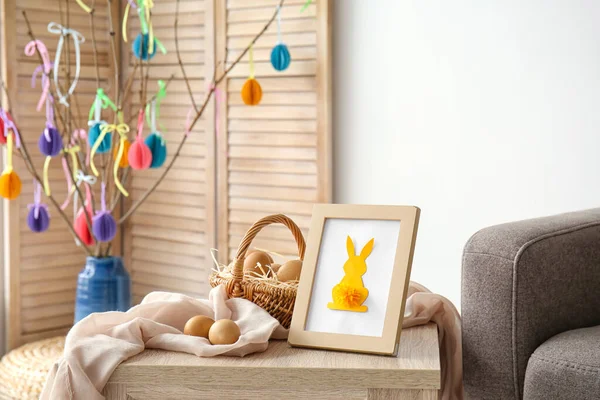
x,y
377,279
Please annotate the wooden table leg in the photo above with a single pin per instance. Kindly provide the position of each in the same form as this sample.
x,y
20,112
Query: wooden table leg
x,y
402,394
114,391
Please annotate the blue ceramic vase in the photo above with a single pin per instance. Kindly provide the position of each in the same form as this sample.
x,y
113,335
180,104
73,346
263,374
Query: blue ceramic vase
x,y
103,285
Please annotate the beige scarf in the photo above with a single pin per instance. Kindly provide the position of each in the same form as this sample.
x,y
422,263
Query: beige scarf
x,y
99,343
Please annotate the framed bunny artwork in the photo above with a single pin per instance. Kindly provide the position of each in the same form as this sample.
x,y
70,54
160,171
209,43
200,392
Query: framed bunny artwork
x,y
355,277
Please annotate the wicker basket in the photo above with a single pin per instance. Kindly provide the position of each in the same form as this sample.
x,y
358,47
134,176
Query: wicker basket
x,y
23,371
278,300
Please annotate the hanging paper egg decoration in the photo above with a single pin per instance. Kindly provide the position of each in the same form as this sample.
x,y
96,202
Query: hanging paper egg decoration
x,y
81,226
124,162
158,146
104,226
280,57
251,92
38,219
50,142
10,185
141,46
94,134
139,155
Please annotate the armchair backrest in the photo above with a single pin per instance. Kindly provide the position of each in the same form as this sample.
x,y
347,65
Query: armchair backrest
x,y
523,283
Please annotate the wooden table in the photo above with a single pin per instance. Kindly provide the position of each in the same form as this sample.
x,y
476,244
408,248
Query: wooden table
x,y
285,373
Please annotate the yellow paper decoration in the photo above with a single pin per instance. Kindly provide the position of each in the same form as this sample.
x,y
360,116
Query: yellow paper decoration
x,y
10,183
350,293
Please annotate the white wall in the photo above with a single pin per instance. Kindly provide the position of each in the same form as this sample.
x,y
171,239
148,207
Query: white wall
x,y
479,112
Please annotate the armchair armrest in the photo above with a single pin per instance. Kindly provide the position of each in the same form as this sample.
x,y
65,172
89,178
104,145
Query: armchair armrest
x,y
523,283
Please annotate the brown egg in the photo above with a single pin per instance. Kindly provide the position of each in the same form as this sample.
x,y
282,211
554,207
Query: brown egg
x,y
251,262
290,271
198,326
275,267
224,331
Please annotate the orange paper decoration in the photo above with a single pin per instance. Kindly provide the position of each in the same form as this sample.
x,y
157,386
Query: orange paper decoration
x,y
251,92
10,185
124,162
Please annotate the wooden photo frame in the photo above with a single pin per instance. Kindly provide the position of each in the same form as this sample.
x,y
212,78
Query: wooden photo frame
x,y
354,278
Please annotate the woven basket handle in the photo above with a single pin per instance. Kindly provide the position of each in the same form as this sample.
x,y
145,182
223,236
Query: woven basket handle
x,y
238,270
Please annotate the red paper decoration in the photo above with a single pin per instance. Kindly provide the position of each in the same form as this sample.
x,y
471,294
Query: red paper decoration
x,y
81,225
139,155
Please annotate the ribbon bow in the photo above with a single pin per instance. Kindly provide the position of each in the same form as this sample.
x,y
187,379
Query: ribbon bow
x,y
78,38
123,139
153,114
37,200
143,9
122,129
73,150
251,60
102,102
279,41
44,68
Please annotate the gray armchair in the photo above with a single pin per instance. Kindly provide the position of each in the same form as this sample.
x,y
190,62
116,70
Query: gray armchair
x,y
531,309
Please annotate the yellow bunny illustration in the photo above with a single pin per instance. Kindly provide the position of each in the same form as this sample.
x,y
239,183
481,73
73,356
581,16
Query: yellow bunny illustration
x,y
350,293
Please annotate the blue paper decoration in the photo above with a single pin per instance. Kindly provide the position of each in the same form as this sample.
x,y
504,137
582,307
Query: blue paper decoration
x,y
280,57
158,147
93,136
38,219
104,226
50,142
141,46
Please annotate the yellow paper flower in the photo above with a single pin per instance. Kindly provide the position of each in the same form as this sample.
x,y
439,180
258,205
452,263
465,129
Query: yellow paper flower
x,y
346,295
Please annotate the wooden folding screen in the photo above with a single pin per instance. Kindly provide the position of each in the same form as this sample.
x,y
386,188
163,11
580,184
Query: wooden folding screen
x,y
239,164
275,157
41,269
253,161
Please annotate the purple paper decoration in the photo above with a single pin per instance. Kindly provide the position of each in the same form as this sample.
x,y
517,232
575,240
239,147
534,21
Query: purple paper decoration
x,y
50,142
104,225
38,218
